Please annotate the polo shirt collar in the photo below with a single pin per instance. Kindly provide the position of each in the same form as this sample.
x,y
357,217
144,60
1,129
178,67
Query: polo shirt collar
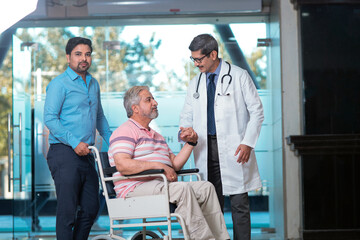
x,y
151,131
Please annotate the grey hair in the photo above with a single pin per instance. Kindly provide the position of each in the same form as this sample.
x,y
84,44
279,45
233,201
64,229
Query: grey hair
x,y
132,98
204,42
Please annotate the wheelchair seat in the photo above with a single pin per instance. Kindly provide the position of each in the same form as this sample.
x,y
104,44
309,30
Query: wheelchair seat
x,y
109,171
161,213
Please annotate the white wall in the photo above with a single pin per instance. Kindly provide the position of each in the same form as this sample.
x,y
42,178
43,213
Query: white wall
x,y
291,112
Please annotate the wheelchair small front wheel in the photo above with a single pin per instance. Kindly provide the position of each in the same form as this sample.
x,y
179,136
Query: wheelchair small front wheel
x,y
139,235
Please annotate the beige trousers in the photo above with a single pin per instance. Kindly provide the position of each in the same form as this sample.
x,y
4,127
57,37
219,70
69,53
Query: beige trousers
x,y
196,202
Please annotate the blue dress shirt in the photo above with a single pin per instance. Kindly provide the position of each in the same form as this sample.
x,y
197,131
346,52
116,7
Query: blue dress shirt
x,y
217,72
211,117
73,110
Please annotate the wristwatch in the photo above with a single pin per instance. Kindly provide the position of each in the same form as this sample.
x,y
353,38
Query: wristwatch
x,y
192,144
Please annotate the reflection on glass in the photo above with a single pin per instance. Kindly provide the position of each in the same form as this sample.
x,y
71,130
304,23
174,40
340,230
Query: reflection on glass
x,y
153,55
157,56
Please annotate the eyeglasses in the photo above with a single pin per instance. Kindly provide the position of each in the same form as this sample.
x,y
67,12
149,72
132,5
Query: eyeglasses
x,y
199,60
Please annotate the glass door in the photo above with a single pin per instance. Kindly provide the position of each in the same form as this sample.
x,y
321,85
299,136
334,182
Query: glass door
x,y
21,143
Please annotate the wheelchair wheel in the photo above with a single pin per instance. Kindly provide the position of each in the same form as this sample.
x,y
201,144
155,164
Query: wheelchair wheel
x,y
139,235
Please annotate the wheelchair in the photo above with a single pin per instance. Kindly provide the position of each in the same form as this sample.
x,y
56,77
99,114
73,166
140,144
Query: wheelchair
x,y
152,210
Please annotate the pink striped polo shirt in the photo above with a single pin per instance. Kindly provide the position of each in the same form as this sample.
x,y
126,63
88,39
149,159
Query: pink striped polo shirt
x,y
140,144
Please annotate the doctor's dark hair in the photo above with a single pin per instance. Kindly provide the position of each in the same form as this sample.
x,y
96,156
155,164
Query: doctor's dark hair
x,y
204,42
132,98
73,42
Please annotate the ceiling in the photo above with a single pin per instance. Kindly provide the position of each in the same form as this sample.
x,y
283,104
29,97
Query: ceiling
x,y
63,9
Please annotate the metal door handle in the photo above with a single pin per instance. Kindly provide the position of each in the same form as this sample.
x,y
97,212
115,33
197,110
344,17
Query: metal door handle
x,y
9,152
20,151
20,154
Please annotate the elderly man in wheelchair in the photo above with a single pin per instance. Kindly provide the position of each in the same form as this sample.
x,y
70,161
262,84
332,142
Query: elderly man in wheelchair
x,y
135,147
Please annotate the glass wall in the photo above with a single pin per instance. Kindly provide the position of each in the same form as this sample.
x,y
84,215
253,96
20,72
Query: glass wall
x,y
153,55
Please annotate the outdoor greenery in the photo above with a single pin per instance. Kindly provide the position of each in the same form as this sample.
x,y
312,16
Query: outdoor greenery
x,y
5,101
129,63
256,62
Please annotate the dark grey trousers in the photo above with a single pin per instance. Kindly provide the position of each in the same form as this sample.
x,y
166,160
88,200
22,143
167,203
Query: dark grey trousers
x,y
240,208
77,192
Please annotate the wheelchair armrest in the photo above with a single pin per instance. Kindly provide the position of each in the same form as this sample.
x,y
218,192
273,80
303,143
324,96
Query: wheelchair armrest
x,y
157,171
111,170
146,172
187,171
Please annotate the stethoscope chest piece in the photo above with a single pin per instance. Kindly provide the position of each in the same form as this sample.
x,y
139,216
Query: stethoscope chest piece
x,y
196,95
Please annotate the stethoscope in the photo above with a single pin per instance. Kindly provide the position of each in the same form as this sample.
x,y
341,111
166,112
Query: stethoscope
x,y
196,95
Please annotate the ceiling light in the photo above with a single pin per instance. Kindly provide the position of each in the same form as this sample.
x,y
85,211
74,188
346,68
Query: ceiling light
x,y
13,11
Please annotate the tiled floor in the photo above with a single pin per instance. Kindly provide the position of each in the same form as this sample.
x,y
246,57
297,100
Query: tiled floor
x,y
259,220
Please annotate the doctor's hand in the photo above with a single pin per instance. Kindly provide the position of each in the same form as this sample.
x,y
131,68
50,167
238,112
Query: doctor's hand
x,y
188,134
244,153
82,149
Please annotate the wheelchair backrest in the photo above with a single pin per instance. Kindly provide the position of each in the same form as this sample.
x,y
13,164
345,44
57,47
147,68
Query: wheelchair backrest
x,y
108,172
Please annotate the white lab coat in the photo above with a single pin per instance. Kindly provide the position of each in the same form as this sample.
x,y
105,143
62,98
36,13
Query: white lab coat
x,y
238,119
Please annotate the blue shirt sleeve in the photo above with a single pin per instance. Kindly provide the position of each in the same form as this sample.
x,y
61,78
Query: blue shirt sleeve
x,y
55,96
102,124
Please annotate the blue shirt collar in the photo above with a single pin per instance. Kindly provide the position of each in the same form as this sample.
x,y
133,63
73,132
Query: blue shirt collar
x,y
73,75
217,71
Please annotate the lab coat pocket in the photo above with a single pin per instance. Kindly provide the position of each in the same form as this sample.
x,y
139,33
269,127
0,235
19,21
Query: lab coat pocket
x,y
225,101
224,107
245,175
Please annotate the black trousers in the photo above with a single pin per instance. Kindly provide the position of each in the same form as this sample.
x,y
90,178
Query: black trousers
x,y
77,190
240,208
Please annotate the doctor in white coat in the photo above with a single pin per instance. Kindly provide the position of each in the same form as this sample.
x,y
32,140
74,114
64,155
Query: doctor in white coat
x,y
228,126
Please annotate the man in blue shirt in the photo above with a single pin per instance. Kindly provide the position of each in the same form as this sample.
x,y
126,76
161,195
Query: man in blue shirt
x,y
72,113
